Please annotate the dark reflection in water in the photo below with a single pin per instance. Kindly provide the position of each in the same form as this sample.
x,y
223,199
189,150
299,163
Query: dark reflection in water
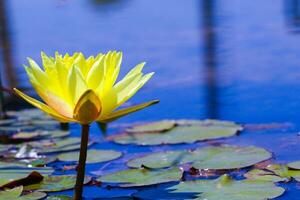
x,y
292,13
210,58
6,51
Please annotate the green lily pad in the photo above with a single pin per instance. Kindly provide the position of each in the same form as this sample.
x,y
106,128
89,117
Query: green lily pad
x,y
294,165
217,158
10,175
10,180
12,164
284,172
56,183
16,194
226,188
159,126
59,197
93,156
260,174
180,134
142,177
57,146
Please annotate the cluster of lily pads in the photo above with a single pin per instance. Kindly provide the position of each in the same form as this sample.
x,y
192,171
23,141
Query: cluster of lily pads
x,y
31,142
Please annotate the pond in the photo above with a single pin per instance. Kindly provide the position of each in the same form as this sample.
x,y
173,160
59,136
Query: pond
x,y
230,60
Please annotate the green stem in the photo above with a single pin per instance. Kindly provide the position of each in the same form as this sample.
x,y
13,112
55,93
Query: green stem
x,y
81,162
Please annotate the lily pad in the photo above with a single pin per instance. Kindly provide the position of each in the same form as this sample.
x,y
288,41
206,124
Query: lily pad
x,y
142,177
55,183
59,197
284,172
294,165
16,194
226,188
180,134
93,156
57,146
217,158
10,180
260,174
159,126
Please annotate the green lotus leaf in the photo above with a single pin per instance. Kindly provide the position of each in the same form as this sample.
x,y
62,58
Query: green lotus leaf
x,y
260,174
93,156
294,165
9,175
55,183
226,188
223,157
180,134
159,126
142,177
16,194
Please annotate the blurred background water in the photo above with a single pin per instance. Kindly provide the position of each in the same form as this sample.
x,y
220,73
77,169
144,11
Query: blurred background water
x,y
234,60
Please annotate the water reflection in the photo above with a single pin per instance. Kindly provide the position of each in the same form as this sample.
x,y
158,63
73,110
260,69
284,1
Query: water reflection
x,y
292,14
6,47
210,58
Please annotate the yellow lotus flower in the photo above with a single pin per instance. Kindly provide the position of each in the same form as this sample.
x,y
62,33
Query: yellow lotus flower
x,y
76,89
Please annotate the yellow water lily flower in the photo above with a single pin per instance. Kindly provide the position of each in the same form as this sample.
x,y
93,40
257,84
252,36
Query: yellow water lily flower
x,y
83,90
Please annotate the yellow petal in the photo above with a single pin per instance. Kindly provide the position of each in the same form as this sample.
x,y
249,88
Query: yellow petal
x,y
88,108
131,89
43,107
134,75
120,113
96,73
109,102
76,84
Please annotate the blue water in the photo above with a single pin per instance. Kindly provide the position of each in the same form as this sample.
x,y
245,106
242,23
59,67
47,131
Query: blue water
x,y
234,60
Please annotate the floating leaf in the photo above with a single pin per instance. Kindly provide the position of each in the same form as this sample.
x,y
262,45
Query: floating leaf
x,y
226,188
15,194
12,164
10,180
260,174
159,126
284,172
59,197
93,156
180,134
223,157
142,177
294,165
57,146
55,183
